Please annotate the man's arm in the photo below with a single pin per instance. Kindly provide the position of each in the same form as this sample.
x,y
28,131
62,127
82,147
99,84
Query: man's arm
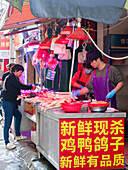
x,y
115,90
75,79
84,90
79,92
118,86
116,77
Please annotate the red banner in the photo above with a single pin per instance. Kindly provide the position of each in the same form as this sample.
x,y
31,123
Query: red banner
x,y
4,46
4,42
29,108
33,126
17,41
91,143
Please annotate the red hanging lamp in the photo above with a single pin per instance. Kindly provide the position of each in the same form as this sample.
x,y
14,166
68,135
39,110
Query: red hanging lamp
x,y
45,40
47,44
87,37
32,42
67,30
62,40
40,51
41,46
78,34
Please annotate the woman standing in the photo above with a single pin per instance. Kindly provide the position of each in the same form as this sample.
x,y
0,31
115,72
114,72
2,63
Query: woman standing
x,y
11,90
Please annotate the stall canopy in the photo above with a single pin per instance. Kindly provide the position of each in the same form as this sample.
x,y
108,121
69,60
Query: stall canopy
x,y
105,11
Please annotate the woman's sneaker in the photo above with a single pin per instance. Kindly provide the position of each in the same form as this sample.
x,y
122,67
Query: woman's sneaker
x,y
21,137
10,146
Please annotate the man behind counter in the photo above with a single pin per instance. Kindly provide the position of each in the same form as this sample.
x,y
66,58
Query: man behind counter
x,y
105,80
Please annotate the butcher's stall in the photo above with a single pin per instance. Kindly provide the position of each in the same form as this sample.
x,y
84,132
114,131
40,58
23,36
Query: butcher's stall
x,y
29,103
28,123
91,137
81,140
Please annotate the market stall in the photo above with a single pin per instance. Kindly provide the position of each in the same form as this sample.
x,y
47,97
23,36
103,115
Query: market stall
x,y
80,140
28,108
30,113
76,140
28,124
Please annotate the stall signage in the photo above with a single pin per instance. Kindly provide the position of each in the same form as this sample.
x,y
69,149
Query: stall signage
x,y
91,143
50,74
118,41
29,108
18,39
4,46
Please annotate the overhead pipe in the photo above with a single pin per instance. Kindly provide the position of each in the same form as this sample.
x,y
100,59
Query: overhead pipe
x,y
47,21
17,32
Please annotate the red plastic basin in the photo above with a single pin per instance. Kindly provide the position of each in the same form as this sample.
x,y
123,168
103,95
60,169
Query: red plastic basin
x,y
98,104
71,107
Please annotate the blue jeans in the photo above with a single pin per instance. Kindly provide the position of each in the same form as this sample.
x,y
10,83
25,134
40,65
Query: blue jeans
x,y
11,110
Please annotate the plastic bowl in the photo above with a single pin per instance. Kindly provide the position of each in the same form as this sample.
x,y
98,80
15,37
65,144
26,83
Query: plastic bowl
x,y
96,107
71,107
98,104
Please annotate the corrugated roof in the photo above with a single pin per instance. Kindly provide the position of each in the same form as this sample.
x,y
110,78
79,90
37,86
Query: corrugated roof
x,y
18,20
17,17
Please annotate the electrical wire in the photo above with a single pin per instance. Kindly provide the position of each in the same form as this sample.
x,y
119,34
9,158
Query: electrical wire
x,y
106,29
123,18
120,58
111,27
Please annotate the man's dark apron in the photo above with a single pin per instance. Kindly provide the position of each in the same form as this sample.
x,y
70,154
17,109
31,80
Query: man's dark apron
x,y
102,86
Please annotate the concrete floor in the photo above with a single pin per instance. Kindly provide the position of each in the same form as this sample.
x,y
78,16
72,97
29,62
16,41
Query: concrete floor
x,y
23,157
